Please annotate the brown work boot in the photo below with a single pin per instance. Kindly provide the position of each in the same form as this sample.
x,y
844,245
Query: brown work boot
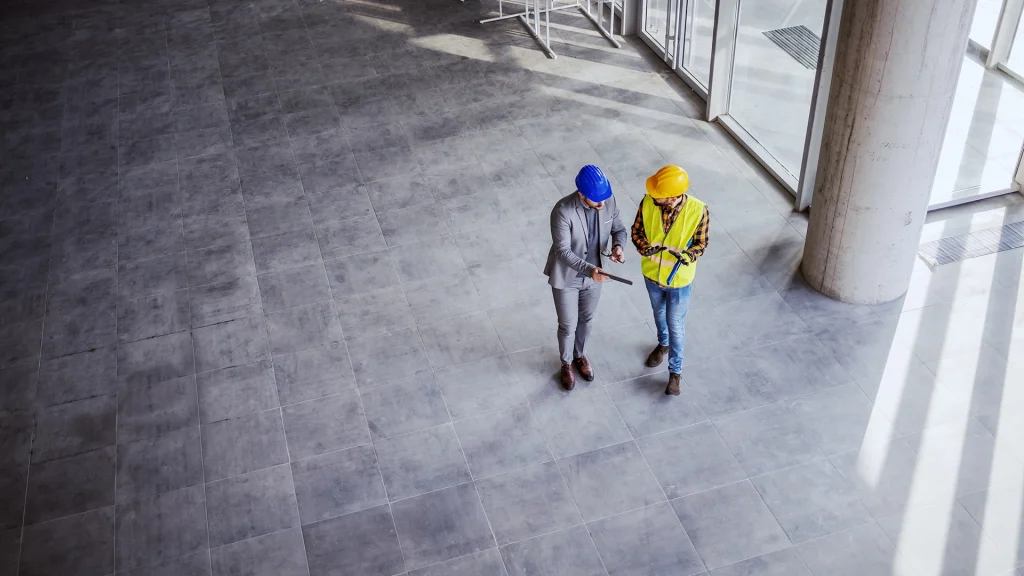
x,y
673,385
657,356
583,365
567,378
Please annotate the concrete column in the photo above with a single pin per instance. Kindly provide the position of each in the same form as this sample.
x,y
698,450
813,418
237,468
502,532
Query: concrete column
x,y
895,73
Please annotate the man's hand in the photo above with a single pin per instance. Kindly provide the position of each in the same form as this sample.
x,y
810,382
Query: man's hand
x,y
598,275
681,256
617,255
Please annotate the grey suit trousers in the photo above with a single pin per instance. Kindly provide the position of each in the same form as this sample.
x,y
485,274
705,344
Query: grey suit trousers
x,y
576,307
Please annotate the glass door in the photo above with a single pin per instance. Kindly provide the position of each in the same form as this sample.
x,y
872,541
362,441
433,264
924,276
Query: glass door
x,y
699,24
659,18
681,32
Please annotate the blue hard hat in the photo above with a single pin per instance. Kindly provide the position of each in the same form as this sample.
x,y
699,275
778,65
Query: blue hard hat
x,y
593,184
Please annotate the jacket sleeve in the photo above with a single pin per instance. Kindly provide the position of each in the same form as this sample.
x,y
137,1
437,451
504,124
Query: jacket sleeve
x,y
639,235
618,229
561,239
701,237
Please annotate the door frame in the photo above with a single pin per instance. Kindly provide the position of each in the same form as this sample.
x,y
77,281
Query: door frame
x,y
673,59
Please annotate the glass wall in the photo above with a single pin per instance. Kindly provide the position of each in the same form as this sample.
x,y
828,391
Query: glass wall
x,y
986,16
699,38
983,138
656,22
682,32
773,75
1016,60
764,58
986,127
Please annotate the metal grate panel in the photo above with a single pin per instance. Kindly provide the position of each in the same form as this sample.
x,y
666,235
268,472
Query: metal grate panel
x,y
972,245
799,42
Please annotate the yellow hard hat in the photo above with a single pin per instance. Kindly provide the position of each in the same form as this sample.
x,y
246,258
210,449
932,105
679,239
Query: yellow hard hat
x,y
669,182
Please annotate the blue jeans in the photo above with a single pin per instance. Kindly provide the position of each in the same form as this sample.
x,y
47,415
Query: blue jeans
x,y
670,305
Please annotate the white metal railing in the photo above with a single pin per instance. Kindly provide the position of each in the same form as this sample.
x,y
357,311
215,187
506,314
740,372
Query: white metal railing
x,y
541,31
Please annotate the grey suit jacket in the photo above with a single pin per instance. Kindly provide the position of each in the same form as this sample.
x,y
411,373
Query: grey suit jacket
x,y
568,253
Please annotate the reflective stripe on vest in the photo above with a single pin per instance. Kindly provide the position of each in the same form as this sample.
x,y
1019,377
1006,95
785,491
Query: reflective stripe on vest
x,y
659,266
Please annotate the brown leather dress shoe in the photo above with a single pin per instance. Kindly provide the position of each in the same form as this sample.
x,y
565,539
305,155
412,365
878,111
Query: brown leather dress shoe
x,y
583,365
567,378
657,356
673,385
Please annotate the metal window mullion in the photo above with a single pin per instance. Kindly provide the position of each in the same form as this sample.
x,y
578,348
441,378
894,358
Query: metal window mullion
x,y
690,25
683,6
1006,29
1018,178
819,104
668,29
723,56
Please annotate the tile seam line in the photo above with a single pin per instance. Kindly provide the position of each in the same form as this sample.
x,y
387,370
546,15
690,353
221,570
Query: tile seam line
x,y
117,290
650,470
337,317
465,460
547,444
188,295
42,341
234,163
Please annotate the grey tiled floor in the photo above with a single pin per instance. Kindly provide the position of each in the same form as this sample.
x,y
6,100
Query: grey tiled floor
x,y
271,303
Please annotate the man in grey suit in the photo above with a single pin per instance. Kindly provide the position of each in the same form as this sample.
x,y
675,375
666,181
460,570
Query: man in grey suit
x,y
583,225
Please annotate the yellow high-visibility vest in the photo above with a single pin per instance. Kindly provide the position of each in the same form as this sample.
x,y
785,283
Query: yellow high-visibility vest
x,y
659,266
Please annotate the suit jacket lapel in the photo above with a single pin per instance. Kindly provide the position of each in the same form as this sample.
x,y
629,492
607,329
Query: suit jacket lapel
x,y
582,217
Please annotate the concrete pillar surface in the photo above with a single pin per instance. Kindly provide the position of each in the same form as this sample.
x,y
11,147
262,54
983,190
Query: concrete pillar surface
x,y
893,82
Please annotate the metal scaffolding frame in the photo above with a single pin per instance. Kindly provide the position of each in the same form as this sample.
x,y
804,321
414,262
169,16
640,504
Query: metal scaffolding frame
x,y
541,31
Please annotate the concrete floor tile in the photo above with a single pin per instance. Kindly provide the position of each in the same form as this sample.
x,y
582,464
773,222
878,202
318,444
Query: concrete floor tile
x,y
729,524
570,552
442,525
728,385
460,340
767,439
75,428
83,544
645,542
782,562
153,466
647,410
442,298
232,343
838,419
862,550
529,502
244,444
486,563
690,460
338,483
799,366
581,421
610,481
362,543
237,391
502,441
313,373
325,425
481,387
251,505
294,287
422,462
811,500
154,530
404,406
280,553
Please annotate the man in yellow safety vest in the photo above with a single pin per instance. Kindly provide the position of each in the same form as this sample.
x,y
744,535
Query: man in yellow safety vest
x,y
670,233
